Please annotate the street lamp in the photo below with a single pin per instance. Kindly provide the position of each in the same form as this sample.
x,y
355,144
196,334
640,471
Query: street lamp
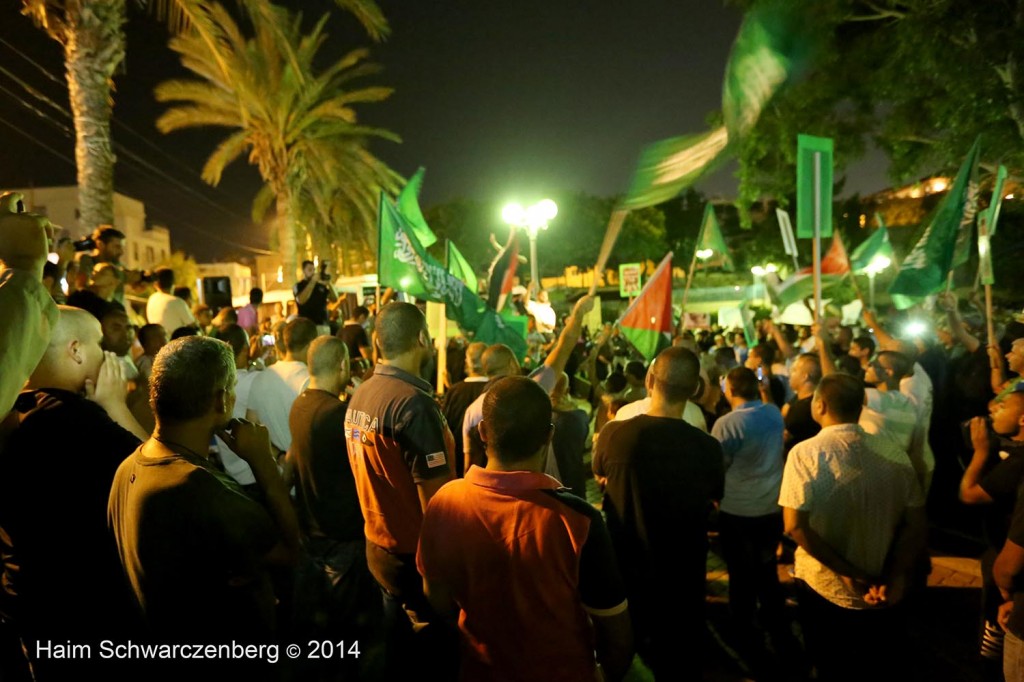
x,y
877,264
704,254
533,219
759,271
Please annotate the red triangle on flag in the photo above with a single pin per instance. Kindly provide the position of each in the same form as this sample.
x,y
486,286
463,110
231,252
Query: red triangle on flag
x,y
835,262
650,315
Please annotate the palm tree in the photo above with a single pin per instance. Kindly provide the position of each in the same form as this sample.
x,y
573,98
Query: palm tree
x,y
92,34
297,125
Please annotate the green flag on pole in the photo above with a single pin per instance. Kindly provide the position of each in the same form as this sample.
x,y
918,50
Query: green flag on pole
x,y
460,267
711,239
766,52
987,227
409,206
405,265
668,167
924,271
873,251
813,185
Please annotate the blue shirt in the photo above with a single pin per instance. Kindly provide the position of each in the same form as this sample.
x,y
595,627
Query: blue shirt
x,y
751,438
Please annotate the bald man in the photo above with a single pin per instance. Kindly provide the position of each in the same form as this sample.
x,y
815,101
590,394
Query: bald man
x,y
62,577
499,361
661,477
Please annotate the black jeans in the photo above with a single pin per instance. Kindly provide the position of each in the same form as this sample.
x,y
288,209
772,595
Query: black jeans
x,y
749,544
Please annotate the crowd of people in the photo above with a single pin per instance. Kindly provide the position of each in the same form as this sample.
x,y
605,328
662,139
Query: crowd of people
x,y
176,483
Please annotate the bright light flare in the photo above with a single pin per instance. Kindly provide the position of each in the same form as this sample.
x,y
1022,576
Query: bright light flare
x,y
758,271
704,254
915,328
513,214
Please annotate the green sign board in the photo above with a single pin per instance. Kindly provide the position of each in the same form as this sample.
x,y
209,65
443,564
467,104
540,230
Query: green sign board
x,y
630,279
813,185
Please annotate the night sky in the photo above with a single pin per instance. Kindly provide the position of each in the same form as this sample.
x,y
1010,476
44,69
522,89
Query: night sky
x,y
499,101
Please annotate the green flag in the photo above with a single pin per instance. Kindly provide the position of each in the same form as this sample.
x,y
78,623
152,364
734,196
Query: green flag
x,y
668,167
813,185
460,267
405,265
924,270
409,206
873,251
765,54
987,227
711,239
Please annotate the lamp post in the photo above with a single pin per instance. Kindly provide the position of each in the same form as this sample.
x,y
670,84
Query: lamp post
x,y
759,271
533,219
877,264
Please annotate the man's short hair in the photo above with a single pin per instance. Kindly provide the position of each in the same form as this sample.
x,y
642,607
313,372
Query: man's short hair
x,y
676,372
326,353
50,270
255,295
812,366
897,363
398,328
234,336
635,369
496,358
517,412
182,332
187,373
615,382
146,331
475,356
844,396
743,383
106,234
360,311
305,263
866,343
164,279
298,334
184,293
765,352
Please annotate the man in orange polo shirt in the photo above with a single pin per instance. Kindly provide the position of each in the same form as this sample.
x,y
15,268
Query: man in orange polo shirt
x,y
526,566
401,451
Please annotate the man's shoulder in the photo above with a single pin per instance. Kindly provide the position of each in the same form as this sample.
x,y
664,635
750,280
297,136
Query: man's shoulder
x,y
575,503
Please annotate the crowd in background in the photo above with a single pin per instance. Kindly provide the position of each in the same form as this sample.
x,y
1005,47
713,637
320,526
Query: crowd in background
x,y
212,477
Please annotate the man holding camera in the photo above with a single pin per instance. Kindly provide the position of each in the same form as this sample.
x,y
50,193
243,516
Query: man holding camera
x,y
313,293
107,245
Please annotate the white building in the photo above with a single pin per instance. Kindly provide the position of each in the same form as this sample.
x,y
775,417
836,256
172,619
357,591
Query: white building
x,y
144,246
239,275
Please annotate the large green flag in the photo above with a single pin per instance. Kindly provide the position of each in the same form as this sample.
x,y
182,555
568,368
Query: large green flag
x,y
872,251
925,269
409,206
668,167
766,52
460,267
711,239
995,206
405,265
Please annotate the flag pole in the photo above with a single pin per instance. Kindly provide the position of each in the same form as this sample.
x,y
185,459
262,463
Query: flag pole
x,y
610,235
816,256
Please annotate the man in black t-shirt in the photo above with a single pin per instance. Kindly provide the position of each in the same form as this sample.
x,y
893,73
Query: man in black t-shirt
x,y
313,293
661,477
61,578
995,472
459,397
803,379
335,595
353,333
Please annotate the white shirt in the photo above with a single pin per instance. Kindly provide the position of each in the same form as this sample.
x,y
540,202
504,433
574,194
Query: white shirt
x,y
271,397
856,488
169,311
692,414
234,465
921,392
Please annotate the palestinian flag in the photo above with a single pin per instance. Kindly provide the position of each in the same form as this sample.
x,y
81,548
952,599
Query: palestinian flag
x,y
502,274
647,323
835,265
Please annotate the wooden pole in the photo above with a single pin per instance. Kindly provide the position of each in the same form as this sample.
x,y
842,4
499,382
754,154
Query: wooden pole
x,y
610,235
988,316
